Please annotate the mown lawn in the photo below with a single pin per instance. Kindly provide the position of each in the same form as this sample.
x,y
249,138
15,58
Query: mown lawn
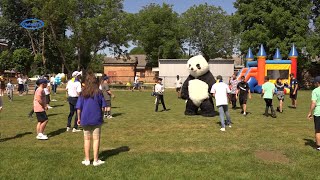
x,y
141,144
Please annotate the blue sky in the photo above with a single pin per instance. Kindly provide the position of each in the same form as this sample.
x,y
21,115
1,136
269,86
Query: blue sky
x,y
180,6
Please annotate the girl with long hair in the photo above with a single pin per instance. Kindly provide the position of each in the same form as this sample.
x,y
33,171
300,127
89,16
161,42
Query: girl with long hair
x,y
90,107
280,94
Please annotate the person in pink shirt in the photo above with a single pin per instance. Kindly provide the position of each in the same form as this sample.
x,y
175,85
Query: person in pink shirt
x,y
40,107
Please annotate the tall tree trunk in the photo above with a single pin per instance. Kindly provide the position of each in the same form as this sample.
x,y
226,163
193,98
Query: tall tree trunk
x,y
79,58
59,49
32,43
43,57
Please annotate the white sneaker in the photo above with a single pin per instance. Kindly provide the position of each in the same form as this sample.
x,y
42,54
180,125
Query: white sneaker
x,y
41,137
68,129
49,107
97,163
223,129
53,100
75,130
85,162
230,126
109,117
244,113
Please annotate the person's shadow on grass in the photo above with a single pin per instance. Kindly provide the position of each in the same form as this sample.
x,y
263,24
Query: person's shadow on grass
x,y
49,115
15,137
310,142
117,114
112,152
56,132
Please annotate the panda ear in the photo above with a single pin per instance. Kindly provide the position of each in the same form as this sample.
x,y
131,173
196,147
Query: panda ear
x,y
206,56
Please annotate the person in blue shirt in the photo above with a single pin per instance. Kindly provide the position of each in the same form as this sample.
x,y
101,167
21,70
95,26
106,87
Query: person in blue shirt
x,y
90,106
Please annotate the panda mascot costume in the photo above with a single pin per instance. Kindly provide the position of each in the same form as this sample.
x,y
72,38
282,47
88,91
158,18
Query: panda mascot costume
x,y
196,88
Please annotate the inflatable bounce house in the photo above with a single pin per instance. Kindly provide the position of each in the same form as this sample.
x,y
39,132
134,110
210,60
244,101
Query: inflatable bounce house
x,y
255,71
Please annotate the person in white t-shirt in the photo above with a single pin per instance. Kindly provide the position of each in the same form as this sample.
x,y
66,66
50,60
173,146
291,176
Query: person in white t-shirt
x,y
178,84
47,91
220,91
159,90
73,89
20,85
136,83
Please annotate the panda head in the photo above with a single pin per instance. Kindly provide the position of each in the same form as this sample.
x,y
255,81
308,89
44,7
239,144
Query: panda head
x,y
198,66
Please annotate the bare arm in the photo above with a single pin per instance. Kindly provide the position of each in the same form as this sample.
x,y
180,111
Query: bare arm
x,y
312,106
295,89
79,116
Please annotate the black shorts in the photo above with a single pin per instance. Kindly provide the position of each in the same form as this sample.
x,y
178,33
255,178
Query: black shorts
x,y
48,99
243,100
178,89
317,124
20,87
108,102
293,96
42,116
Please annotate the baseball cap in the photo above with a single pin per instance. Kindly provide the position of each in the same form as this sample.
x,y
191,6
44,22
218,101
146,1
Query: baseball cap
x,y
316,79
41,81
105,78
76,73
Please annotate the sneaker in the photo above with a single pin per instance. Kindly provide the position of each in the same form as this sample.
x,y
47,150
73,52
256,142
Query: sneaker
x,y
85,162
109,117
104,116
68,128
230,126
223,129
318,148
244,113
49,107
41,137
75,130
97,163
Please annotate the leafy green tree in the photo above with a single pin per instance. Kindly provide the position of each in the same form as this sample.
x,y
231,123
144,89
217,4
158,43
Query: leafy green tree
x,y
137,50
276,24
157,31
5,61
22,60
208,30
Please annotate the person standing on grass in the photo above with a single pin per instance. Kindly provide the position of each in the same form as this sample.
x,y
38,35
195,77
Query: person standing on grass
x,y
40,107
107,94
10,89
2,86
89,109
47,91
20,85
136,84
234,88
178,86
73,90
242,94
315,107
53,83
280,94
220,91
267,94
159,90
35,89
293,91
1,103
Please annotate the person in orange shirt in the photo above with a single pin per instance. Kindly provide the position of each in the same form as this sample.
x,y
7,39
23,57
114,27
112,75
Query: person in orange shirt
x,y
40,107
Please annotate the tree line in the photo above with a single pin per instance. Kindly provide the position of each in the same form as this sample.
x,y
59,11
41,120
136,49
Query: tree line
x,y
77,31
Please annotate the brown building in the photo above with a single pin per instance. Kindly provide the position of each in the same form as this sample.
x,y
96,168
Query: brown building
x,y
122,70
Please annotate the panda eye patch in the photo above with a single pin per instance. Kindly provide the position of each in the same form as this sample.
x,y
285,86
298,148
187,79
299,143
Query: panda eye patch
x,y
198,66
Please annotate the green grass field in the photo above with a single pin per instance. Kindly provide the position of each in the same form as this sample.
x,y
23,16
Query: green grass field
x,y
141,144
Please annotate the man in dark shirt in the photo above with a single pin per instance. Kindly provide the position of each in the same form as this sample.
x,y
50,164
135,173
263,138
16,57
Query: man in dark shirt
x,y
242,94
293,91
